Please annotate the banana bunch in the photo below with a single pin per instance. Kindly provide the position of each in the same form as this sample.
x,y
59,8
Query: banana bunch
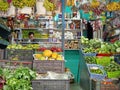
x,y
70,3
29,3
95,4
22,3
113,6
3,5
18,3
49,6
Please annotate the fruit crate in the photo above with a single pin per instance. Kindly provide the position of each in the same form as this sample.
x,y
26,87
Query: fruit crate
x,y
114,74
96,75
103,60
51,84
42,66
107,84
14,64
19,54
1,54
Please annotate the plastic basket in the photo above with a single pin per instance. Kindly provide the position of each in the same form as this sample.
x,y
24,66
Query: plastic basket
x,y
19,54
94,75
101,60
114,74
14,64
1,54
106,84
42,66
50,84
89,54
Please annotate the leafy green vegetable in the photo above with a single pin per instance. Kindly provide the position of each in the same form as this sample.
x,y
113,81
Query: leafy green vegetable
x,y
18,79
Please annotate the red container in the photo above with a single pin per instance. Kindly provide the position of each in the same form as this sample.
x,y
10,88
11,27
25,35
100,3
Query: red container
x,y
104,54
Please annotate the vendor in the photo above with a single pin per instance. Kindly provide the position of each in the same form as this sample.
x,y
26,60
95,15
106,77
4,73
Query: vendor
x,y
31,37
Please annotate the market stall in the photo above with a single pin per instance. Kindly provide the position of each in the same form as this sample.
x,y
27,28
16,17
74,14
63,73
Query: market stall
x,y
62,41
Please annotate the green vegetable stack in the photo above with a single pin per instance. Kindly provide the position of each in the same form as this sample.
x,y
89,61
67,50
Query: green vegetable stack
x,y
90,59
98,46
96,71
113,70
18,79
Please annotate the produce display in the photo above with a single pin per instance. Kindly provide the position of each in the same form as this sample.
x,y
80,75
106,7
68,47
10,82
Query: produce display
x,y
90,59
112,67
25,47
3,5
18,79
23,3
48,55
53,49
49,6
98,46
113,6
71,44
96,71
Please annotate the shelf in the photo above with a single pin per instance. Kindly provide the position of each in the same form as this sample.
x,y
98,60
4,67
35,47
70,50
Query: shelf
x,y
72,49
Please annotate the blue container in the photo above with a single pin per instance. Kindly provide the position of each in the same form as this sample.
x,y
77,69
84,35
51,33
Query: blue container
x,y
94,75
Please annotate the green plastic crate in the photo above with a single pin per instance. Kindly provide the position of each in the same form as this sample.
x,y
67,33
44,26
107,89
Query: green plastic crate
x,y
102,60
115,74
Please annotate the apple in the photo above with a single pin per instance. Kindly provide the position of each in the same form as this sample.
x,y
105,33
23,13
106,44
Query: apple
x,y
42,48
59,49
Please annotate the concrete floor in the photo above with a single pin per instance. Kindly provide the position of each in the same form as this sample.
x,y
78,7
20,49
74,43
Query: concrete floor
x,y
75,86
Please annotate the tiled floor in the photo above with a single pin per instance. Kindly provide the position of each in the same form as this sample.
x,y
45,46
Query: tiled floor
x,y
75,86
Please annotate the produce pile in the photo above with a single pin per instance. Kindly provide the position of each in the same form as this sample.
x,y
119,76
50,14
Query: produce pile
x,y
102,49
48,55
25,47
3,5
49,6
98,46
17,79
23,3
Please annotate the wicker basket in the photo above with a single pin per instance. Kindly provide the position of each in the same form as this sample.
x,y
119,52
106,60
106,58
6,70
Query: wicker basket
x,y
50,84
15,64
106,84
1,54
42,66
19,54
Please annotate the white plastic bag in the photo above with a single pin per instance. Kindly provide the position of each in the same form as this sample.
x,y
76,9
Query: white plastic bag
x,y
11,11
40,9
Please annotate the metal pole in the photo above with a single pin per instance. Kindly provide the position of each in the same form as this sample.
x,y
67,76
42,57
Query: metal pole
x,y
63,24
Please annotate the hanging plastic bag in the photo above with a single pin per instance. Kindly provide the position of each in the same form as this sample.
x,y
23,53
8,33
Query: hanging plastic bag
x,y
40,9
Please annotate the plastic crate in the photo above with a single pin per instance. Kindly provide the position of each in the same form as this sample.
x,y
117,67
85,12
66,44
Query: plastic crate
x,y
42,66
14,64
19,54
94,75
89,54
103,60
1,54
114,74
50,84
106,84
